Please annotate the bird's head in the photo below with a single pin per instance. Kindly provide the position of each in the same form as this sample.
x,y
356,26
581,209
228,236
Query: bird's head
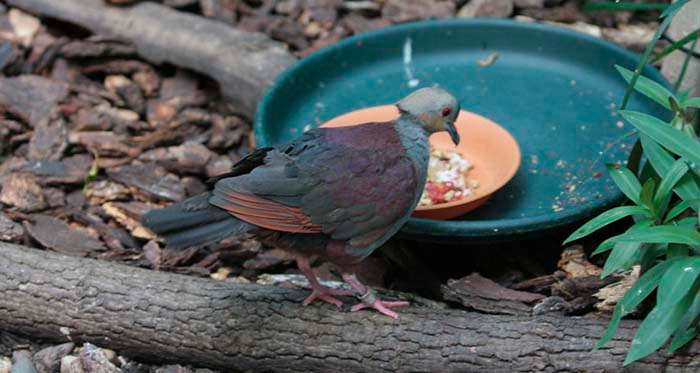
x,y
435,108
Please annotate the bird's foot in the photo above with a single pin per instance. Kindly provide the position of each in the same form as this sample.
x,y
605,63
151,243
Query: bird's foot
x,y
327,295
369,300
384,307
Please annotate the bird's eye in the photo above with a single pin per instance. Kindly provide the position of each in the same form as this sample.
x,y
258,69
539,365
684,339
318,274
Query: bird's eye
x,y
446,111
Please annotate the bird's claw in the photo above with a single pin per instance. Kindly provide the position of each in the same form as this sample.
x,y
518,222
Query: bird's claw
x,y
327,295
384,307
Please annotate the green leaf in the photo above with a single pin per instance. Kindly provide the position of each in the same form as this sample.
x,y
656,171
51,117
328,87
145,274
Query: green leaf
x,y
690,222
675,250
635,157
676,293
646,56
673,9
677,281
684,70
678,44
682,338
646,283
692,102
647,194
649,255
622,257
662,162
610,330
625,254
605,246
620,6
661,132
632,298
606,218
656,328
670,179
648,172
680,207
688,328
675,106
648,87
626,181
662,234
610,242
683,95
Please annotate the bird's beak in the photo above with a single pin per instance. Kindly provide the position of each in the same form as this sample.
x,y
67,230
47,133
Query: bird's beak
x,y
452,130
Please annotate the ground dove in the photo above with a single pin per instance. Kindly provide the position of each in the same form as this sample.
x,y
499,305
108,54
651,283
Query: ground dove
x,y
336,193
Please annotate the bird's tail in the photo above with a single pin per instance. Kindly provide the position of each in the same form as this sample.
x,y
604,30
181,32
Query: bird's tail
x,y
194,222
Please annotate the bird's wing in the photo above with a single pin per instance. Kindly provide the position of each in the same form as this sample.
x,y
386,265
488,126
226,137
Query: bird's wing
x,y
351,183
245,165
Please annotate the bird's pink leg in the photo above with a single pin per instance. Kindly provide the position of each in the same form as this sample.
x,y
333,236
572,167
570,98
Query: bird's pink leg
x,y
369,298
318,291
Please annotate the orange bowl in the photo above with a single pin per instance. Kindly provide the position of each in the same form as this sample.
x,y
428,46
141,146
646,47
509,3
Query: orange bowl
x,y
493,152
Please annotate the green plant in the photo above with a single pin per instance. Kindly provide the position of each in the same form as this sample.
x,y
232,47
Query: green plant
x,y
93,172
665,237
614,6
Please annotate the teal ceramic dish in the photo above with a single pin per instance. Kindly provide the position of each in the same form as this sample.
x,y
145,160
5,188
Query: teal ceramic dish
x,y
553,89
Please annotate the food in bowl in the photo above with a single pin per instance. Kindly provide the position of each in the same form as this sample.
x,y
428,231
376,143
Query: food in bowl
x,y
447,178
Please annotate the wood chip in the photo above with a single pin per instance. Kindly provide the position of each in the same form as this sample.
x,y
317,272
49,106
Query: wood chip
x,y
219,166
55,234
48,359
357,23
269,259
193,186
102,191
31,97
226,132
55,197
150,179
49,141
128,214
486,8
9,230
541,284
24,25
72,364
148,81
612,293
105,143
221,273
573,261
97,47
22,191
482,294
153,253
552,304
174,258
70,170
411,10
190,157
96,360
115,238
129,91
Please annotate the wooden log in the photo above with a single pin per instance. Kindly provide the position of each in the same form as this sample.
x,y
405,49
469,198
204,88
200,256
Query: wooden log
x,y
244,63
163,317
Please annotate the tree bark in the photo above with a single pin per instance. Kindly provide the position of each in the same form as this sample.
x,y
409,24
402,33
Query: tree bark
x,y
244,63
164,317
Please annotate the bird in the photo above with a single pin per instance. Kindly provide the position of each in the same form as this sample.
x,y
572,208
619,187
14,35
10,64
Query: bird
x,y
334,193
